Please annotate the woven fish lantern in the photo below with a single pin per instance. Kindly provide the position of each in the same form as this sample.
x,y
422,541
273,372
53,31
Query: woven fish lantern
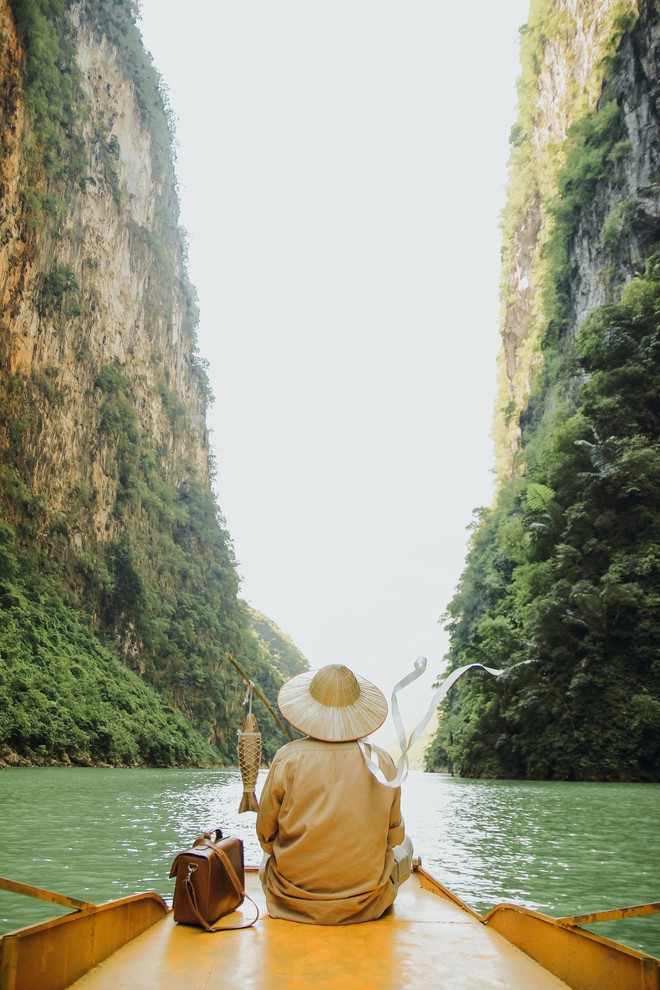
x,y
249,758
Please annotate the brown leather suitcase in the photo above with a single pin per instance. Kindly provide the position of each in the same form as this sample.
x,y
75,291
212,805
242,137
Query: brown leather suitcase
x,y
210,880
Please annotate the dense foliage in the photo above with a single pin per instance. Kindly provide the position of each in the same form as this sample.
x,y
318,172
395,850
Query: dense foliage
x,y
562,578
64,694
561,581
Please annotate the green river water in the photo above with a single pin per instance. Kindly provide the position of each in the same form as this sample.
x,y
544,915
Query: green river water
x,y
561,848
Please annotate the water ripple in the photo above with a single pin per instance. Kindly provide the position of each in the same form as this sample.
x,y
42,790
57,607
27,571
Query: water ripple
x,y
561,848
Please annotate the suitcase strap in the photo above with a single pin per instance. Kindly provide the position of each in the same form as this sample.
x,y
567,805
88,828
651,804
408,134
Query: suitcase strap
x,y
238,886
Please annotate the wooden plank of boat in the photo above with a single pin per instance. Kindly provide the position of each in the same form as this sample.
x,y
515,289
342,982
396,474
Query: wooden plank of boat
x,y
582,959
54,954
429,939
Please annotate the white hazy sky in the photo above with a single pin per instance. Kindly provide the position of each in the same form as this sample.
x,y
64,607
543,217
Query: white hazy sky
x,y
342,166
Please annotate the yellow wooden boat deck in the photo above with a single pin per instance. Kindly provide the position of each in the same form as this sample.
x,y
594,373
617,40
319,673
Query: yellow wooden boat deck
x,y
424,941
429,939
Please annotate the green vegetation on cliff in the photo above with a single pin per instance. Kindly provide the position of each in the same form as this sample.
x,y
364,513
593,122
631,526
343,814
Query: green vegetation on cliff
x,y
283,653
164,597
64,694
562,572
119,593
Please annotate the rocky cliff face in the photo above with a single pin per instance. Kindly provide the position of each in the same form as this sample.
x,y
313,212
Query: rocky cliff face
x,y
12,244
112,547
98,281
613,239
560,585
570,46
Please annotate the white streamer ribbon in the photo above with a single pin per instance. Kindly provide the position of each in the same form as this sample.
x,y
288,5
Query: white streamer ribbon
x,y
405,746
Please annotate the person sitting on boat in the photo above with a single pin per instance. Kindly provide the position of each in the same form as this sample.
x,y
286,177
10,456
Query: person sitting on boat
x,y
335,842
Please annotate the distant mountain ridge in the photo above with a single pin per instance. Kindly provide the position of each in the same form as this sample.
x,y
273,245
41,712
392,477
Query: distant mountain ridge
x,y
282,651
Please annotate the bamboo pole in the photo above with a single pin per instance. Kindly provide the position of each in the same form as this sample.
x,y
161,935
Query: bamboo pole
x,y
258,694
615,914
44,895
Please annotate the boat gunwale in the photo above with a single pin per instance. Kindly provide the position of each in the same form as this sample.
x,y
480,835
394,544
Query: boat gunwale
x,y
86,912
562,923
97,931
567,951
550,951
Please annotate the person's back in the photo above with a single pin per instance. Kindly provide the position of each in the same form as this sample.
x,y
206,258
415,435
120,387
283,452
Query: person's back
x,y
328,826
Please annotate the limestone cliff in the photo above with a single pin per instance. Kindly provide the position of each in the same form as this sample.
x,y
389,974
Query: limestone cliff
x,y
105,469
561,583
103,282
568,47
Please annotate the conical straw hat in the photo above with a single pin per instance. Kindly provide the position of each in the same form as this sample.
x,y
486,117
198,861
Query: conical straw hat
x,y
332,704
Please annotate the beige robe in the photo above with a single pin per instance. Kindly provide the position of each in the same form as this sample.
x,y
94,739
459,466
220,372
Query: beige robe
x,y
329,828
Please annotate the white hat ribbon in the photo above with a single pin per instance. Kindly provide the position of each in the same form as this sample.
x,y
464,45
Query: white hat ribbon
x,y
405,746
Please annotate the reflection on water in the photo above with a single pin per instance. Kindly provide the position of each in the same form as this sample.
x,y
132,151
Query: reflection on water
x,y
562,848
